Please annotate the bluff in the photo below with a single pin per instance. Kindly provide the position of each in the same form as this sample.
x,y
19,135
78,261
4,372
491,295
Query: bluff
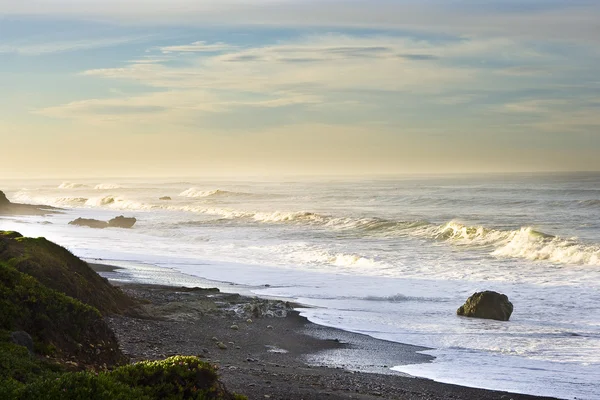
x,y
56,268
51,325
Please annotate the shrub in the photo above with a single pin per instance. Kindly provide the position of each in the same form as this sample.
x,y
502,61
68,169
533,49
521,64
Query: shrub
x,y
176,378
78,386
58,323
18,365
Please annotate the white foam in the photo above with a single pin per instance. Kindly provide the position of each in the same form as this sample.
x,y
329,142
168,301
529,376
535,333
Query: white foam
x,y
525,243
195,192
107,186
71,185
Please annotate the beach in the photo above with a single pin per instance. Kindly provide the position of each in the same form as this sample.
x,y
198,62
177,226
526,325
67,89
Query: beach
x,y
269,350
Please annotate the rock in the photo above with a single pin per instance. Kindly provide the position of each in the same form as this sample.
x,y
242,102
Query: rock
x,y
8,208
165,198
269,327
122,222
118,222
214,339
22,338
3,200
487,305
91,223
249,321
222,346
235,327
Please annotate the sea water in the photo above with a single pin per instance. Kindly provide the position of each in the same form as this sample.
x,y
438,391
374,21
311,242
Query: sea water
x,y
392,258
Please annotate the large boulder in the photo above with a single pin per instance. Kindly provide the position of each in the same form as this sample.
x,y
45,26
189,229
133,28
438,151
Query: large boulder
x,y
487,305
167,198
91,223
122,222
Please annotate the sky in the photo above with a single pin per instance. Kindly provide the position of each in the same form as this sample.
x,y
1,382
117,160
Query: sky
x,y
270,87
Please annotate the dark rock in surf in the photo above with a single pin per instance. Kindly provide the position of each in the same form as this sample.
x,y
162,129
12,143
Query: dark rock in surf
x,y
90,223
118,222
122,222
487,305
165,198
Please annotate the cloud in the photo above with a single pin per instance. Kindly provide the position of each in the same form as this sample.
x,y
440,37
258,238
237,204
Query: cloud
x,y
345,74
197,47
41,48
537,106
575,20
419,57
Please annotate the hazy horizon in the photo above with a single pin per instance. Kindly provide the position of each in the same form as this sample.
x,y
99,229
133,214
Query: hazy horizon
x,y
297,88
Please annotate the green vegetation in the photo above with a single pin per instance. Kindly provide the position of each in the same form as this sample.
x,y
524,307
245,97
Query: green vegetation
x,y
62,327
55,267
37,279
176,378
17,365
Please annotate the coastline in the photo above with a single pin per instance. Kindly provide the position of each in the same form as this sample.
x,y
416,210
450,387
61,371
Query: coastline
x,y
272,351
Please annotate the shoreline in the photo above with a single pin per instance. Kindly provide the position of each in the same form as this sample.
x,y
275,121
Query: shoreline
x,y
270,350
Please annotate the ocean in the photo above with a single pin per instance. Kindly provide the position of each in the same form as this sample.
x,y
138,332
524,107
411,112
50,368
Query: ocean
x,y
389,257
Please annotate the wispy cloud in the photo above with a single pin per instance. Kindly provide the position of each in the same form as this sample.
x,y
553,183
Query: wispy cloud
x,y
41,47
351,75
197,47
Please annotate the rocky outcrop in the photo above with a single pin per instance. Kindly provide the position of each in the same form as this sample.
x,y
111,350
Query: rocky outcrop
x,y
118,222
3,200
165,198
487,305
122,222
8,208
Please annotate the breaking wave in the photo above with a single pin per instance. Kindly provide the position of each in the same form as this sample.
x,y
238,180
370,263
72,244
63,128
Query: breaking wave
x,y
71,185
101,201
195,192
524,243
529,244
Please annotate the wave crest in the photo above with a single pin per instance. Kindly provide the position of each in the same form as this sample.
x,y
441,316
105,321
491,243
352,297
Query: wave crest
x,y
529,244
71,185
195,192
526,242
101,201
